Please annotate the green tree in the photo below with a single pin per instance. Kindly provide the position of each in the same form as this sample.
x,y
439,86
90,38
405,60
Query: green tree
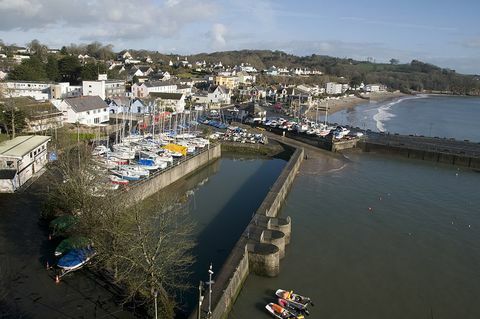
x,y
394,61
64,51
70,69
90,71
29,70
51,68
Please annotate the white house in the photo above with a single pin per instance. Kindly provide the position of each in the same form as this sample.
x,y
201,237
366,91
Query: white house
x,y
219,95
374,88
333,88
246,78
20,159
174,100
142,90
86,110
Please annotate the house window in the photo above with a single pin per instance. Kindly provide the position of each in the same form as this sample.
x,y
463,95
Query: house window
x,y
35,153
88,112
10,164
96,120
31,155
105,110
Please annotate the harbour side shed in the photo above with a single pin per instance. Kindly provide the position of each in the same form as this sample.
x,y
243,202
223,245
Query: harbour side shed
x,y
20,159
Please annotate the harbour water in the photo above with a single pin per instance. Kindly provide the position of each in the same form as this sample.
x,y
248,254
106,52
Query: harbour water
x,y
428,115
381,237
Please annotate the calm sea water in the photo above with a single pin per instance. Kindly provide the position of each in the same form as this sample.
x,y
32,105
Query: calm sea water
x,y
380,238
442,116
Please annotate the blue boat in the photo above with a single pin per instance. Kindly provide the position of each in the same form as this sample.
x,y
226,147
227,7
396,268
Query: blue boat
x,y
75,259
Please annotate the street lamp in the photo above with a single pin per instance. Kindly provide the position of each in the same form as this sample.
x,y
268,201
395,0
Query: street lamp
x,y
210,282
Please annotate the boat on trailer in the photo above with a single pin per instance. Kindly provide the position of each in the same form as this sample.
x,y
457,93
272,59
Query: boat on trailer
x,y
280,312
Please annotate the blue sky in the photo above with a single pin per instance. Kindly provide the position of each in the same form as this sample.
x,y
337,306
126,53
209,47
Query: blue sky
x,y
442,32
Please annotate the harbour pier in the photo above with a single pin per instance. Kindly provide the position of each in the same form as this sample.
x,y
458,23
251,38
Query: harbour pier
x,y
434,149
260,247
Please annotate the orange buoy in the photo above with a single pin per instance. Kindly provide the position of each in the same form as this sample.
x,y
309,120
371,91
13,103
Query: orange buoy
x,y
57,279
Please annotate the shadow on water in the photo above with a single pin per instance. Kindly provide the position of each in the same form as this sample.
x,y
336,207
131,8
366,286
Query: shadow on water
x,y
217,239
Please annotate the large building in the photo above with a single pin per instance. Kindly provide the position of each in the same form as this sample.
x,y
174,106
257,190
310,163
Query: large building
x,y
36,90
104,88
86,110
230,82
20,159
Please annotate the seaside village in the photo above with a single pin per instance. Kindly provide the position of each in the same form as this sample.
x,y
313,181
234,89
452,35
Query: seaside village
x,y
159,117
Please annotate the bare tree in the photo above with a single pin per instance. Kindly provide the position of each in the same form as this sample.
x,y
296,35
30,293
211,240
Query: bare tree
x,y
146,246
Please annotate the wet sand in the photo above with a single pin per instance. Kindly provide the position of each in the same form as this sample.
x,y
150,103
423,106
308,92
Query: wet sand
x,y
335,105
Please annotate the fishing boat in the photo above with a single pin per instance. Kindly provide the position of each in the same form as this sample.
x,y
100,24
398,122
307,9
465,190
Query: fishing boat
x,y
118,180
75,259
279,312
70,243
299,301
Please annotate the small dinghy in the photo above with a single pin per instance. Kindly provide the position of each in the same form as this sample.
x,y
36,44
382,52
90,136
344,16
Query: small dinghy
x,y
279,312
300,302
75,259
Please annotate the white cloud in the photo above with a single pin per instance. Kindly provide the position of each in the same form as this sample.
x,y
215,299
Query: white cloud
x,y
217,35
111,19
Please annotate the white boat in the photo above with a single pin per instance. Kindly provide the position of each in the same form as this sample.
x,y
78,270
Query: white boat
x,y
117,180
122,155
128,175
99,150
127,151
136,169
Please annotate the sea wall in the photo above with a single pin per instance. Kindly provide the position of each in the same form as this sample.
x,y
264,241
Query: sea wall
x,y
260,247
144,188
425,155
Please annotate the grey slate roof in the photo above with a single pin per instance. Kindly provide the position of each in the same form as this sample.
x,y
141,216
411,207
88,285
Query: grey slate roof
x,y
167,96
157,83
86,103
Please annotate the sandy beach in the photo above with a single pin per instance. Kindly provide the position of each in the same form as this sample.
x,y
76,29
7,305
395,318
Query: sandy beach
x,y
343,103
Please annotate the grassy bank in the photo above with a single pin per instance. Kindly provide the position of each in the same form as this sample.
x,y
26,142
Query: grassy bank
x,y
271,149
